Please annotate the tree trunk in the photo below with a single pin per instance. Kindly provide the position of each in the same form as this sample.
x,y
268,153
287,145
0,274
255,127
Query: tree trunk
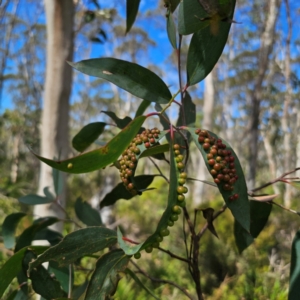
x,y
209,95
267,39
55,117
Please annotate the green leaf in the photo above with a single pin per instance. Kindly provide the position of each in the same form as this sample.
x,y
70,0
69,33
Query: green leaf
x,y
153,151
189,17
27,236
128,249
171,4
140,283
79,291
99,158
294,292
133,78
132,7
87,135
171,29
77,244
42,282
34,200
187,113
240,208
259,215
142,108
58,181
86,214
9,227
53,237
205,50
105,278
121,123
13,266
48,194
120,192
62,274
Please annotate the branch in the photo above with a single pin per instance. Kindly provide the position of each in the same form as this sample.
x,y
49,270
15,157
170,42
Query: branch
x,y
153,279
174,255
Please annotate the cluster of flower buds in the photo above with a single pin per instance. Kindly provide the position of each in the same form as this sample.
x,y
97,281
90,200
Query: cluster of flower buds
x,y
220,160
128,161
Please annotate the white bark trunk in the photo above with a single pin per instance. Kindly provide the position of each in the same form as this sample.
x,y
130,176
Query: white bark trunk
x,y
55,117
209,94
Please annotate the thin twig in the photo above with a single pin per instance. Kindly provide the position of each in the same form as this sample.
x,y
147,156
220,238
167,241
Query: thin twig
x,y
70,281
280,178
285,208
153,279
159,170
174,255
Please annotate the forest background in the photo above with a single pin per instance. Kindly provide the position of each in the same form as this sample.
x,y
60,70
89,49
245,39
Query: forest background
x,y
230,109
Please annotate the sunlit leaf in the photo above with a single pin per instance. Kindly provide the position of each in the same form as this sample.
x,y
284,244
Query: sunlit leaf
x,y
140,283
240,208
77,244
105,278
259,215
132,7
171,29
127,247
13,266
120,192
99,158
86,214
9,227
133,78
87,135
294,292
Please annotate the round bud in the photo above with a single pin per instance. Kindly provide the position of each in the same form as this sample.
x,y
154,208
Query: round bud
x,y
176,209
180,198
181,181
149,249
180,165
170,223
183,175
137,255
176,147
164,232
174,217
206,146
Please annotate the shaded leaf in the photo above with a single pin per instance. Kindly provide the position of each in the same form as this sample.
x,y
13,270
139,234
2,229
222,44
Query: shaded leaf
x,y
99,158
139,282
133,78
27,236
105,278
132,7
34,200
205,49
62,274
142,108
87,135
53,237
121,123
240,208
41,281
259,215
129,249
86,214
171,4
77,244
9,227
155,150
13,266
188,114
208,214
78,292
120,192
294,292
171,29
58,181
48,194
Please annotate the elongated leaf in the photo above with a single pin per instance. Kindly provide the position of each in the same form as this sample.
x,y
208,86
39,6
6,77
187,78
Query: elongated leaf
x,y
27,236
58,181
9,227
259,215
132,7
129,249
42,283
140,283
171,4
120,192
171,29
153,151
142,108
87,135
294,292
48,194
105,278
187,115
13,266
79,291
34,200
133,78
239,208
121,123
62,274
99,158
77,244
53,237
86,214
